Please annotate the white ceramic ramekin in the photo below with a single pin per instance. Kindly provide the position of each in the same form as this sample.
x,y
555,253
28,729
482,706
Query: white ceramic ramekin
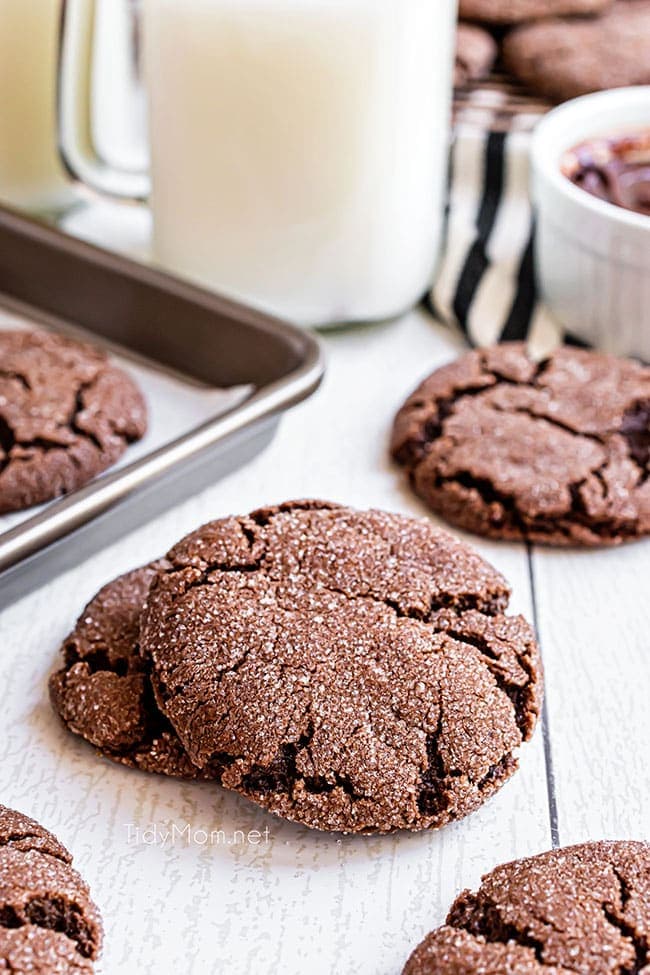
x,y
593,258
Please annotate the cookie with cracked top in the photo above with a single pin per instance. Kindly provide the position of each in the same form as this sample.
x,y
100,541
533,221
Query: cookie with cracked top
x,y
48,923
556,452
103,690
66,414
476,52
516,11
30,950
580,909
351,671
562,58
433,596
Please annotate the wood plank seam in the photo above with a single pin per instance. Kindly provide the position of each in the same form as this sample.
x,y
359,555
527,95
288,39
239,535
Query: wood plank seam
x,y
546,728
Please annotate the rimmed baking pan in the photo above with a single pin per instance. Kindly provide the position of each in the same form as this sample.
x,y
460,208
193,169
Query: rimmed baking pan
x,y
228,370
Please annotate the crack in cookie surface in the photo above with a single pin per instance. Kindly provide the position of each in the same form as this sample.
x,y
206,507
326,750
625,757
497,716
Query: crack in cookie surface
x,y
555,452
19,832
311,646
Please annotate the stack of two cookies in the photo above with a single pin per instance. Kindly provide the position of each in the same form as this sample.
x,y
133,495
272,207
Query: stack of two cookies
x,y
351,671
558,48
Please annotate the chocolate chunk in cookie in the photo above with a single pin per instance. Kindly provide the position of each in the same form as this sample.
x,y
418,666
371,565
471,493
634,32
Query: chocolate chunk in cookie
x,y
476,52
352,671
48,923
561,58
103,691
66,414
516,11
556,452
580,909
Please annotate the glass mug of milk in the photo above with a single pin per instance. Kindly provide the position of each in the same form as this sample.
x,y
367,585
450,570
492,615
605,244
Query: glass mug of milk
x,y
31,173
298,147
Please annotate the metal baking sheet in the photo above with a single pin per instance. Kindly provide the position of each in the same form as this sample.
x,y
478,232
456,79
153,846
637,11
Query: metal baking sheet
x,y
215,373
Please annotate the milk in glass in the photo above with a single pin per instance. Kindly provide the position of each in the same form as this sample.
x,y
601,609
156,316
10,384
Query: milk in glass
x,y
299,148
31,174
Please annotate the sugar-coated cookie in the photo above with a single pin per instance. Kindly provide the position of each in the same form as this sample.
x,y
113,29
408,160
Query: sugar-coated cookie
x,y
556,452
66,414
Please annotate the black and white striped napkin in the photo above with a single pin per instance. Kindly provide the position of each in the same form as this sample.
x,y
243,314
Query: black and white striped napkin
x,y
485,285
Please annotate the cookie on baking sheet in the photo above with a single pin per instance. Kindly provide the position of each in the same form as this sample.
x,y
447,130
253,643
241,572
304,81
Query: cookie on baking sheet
x,y
515,11
561,59
476,52
66,414
579,909
103,691
352,671
48,923
556,451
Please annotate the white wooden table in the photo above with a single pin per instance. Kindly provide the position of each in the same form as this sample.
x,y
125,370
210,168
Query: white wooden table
x,y
305,901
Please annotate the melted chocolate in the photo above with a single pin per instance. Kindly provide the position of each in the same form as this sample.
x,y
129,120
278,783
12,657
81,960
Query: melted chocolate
x,y
616,170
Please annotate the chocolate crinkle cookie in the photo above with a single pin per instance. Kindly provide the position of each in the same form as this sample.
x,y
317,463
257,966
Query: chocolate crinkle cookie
x,y
583,909
556,451
66,414
515,11
103,691
48,923
562,58
476,52
352,671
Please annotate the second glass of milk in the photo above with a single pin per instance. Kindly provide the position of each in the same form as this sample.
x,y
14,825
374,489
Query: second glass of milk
x,y
299,149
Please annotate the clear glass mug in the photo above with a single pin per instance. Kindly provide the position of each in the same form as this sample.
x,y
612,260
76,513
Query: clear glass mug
x,y
298,147
31,174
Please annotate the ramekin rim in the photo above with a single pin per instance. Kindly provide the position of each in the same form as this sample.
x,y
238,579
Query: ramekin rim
x,y
547,168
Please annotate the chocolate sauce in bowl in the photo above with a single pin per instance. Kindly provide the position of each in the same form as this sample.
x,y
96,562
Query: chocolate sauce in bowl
x,y
615,169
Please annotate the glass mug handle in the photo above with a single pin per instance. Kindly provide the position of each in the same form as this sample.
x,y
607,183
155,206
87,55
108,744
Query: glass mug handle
x,y
77,145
